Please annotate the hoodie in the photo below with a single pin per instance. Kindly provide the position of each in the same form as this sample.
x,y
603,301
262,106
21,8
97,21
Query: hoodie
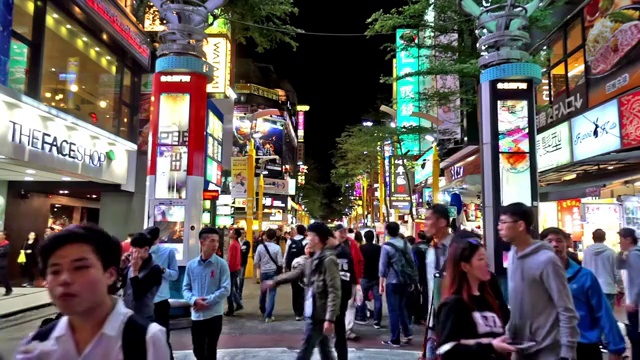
x,y
596,317
542,308
633,282
601,260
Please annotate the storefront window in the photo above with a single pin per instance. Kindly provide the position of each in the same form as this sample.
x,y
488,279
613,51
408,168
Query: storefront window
x,y
18,60
575,65
23,17
125,118
574,35
126,86
557,48
558,80
79,74
542,92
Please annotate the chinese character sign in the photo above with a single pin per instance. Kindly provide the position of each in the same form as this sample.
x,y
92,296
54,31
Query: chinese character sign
x,y
554,147
408,88
570,219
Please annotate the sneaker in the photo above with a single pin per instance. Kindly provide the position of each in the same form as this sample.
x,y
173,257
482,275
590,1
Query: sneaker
x,y
377,326
228,313
299,318
361,322
238,308
407,340
389,343
270,319
352,336
8,293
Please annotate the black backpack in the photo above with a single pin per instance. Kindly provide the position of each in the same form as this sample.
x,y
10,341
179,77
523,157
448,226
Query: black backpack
x,y
134,336
403,265
296,249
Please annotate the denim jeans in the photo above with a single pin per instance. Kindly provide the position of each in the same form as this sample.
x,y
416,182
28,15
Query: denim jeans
x,y
234,296
368,286
243,273
267,298
314,336
397,306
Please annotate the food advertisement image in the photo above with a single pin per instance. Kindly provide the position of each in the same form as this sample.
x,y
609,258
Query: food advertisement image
x,y
612,29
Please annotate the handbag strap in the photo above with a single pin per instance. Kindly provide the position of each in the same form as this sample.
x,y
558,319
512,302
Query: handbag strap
x,y
266,248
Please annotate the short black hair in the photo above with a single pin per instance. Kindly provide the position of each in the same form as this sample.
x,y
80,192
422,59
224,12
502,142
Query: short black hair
x,y
554,231
141,241
369,236
271,234
237,232
422,235
207,231
301,230
442,212
599,235
321,230
105,247
519,212
393,229
411,240
350,231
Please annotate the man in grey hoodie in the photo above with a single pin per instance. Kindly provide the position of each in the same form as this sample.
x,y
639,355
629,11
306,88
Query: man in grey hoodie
x,y
601,260
629,245
542,309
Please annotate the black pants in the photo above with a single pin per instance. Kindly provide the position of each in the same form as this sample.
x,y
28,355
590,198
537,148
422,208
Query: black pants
x,y
234,295
633,334
297,299
28,273
6,282
204,337
588,352
161,312
340,329
314,337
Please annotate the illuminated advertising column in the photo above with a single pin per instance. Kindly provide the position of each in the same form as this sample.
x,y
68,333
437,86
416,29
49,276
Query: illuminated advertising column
x,y
176,168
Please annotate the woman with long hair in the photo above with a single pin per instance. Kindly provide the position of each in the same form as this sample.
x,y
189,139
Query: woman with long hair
x,y
469,320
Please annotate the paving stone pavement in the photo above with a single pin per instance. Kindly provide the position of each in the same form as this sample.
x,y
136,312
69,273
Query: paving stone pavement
x,y
283,354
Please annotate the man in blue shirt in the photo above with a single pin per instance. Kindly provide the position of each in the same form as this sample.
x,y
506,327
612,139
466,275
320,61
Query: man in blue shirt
x,y
165,257
596,317
207,284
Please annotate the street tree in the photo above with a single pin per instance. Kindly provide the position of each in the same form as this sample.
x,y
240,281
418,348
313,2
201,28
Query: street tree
x,y
312,193
360,148
266,23
446,45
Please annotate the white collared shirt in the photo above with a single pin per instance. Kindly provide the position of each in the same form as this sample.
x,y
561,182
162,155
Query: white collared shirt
x,y
107,345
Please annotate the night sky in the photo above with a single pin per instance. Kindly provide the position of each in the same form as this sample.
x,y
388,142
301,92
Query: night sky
x,y
337,76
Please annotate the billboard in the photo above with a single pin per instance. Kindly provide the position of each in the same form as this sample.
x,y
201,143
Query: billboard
x,y
449,114
239,177
407,88
268,136
218,52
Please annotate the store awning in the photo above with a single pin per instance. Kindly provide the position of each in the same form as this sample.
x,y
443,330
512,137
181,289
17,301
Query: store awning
x,y
465,182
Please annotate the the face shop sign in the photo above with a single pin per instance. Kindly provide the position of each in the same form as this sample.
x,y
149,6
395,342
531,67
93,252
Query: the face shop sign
x,y
53,144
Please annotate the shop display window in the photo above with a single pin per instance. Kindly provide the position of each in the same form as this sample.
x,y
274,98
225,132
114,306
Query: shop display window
x,y
557,48
18,65
574,35
576,73
81,77
558,80
23,17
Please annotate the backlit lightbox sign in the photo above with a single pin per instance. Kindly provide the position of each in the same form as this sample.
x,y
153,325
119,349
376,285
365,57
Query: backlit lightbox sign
x,y
218,52
554,147
596,132
424,167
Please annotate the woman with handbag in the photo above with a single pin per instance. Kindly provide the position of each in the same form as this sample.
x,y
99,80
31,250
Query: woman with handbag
x,y
28,259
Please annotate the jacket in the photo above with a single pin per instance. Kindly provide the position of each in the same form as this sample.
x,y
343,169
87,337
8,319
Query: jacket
x,y
322,277
596,317
234,259
5,249
140,291
601,260
633,269
358,260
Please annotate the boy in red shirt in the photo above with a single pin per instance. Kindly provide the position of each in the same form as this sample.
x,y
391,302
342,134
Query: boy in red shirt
x,y
234,259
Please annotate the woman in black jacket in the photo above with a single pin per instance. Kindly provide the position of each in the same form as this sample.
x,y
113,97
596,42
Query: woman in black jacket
x,y
470,319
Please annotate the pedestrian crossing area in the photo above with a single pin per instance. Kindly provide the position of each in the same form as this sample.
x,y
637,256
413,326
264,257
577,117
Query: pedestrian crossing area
x,y
283,354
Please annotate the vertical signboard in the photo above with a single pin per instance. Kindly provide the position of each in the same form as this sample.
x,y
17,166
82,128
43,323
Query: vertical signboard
x,y
239,177
629,106
554,147
213,164
218,51
171,157
399,197
570,219
300,126
407,87
17,79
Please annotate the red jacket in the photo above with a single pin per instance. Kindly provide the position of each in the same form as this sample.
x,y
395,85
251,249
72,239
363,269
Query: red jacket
x,y
234,258
358,260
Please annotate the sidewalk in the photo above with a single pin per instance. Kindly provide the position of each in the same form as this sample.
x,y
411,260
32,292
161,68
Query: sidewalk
x,y
23,300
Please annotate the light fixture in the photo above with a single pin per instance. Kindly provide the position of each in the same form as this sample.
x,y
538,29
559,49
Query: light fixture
x,y
265,172
103,104
63,191
73,88
47,94
28,178
108,58
55,15
58,205
84,38
2,157
569,177
66,178
94,196
125,119
30,171
636,183
68,26
257,135
609,167
392,124
96,48
53,69
429,138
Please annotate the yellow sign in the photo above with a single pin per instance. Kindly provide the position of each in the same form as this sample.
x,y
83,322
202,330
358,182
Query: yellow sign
x,y
257,90
239,177
218,51
302,107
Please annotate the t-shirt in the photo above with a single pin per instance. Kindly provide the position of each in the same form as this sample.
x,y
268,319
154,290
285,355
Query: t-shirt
x,y
371,255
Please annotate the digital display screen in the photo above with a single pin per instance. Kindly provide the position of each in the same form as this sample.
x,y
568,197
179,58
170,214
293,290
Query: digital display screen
x,y
515,178
513,128
170,220
171,172
173,120
214,126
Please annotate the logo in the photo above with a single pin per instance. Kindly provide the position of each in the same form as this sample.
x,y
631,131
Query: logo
x,y
599,131
513,86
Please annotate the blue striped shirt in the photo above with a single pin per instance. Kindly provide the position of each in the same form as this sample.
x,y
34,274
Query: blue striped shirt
x,y
165,257
208,279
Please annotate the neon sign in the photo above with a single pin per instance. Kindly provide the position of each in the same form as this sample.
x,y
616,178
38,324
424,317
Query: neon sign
x,y
115,20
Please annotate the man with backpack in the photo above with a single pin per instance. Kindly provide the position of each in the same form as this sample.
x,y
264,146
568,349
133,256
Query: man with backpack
x,y
419,250
398,276
80,263
294,250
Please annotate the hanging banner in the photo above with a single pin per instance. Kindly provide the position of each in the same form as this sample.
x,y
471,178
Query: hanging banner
x,y
239,177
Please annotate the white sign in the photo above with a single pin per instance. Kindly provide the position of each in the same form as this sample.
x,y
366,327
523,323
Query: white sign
x,y
274,186
175,78
218,52
512,86
279,202
596,132
554,147
53,141
560,110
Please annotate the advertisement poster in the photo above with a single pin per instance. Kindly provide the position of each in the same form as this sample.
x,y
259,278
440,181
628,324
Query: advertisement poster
x,y
424,167
399,195
612,29
596,131
554,147
239,177
18,66
268,137
449,114
607,217
170,220
171,172
629,106
513,128
173,119
6,20
569,218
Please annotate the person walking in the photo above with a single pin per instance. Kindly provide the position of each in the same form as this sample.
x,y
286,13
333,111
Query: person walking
x,y
268,259
142,278
601,260
322,292
245,249
295,249
420,250
206,285
630,270
234,260
5,250
542,309
347,238
370,281
347,280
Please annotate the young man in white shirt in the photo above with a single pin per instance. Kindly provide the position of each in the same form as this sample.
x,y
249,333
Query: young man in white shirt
x,y
80,263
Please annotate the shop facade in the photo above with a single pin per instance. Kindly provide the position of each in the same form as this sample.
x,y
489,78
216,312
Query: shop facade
x,y
462,189
588,145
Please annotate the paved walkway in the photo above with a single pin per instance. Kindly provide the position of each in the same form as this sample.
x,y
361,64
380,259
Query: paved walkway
x,y
23,299
280,353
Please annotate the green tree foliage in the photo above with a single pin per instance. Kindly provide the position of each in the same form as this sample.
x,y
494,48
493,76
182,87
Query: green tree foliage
x,y
263,22
313,193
